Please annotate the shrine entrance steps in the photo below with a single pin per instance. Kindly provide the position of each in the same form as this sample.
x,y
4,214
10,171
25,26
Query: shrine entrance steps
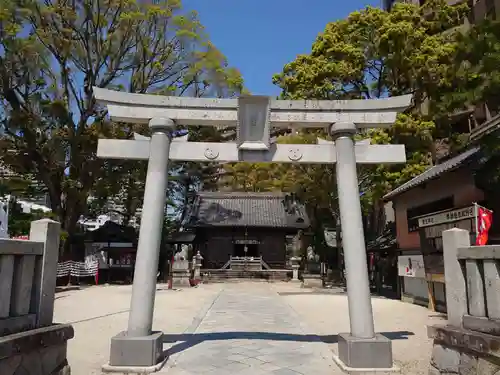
x,y
223,275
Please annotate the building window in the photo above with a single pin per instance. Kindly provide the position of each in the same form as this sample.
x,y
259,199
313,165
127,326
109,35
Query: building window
x,y
414,213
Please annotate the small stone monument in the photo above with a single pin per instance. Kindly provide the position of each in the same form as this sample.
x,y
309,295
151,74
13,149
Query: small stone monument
x,y
180,269
296,258
197,259
312,278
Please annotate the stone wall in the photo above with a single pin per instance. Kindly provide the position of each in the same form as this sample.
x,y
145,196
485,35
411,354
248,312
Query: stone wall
x,y
464,352
39,351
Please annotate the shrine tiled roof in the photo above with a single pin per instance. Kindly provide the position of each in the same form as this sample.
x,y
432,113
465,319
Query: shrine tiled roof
x,y
241,209
434,172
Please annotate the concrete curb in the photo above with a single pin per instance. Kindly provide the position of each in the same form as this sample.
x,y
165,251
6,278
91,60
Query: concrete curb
x,y
364,371
134,369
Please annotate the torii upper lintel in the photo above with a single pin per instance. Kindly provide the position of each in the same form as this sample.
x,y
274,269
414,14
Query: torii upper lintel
x,y
141,108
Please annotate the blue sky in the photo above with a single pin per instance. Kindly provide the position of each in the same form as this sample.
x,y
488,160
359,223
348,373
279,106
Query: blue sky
x,y
260,37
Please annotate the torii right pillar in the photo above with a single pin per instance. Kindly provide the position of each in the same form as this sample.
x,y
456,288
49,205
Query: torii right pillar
x,y
362,348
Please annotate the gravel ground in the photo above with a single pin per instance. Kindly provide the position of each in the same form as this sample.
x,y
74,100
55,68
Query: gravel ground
x,y
98,313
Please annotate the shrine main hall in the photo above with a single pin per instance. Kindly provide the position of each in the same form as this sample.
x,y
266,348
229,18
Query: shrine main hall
x,y
232,226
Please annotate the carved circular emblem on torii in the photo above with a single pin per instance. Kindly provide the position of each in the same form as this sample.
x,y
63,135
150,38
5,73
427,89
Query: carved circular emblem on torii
x,y
294,154
211,154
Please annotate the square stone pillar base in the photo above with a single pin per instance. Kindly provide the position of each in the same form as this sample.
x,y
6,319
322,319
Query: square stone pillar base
x,y
312,281
358,353
135,352
180,279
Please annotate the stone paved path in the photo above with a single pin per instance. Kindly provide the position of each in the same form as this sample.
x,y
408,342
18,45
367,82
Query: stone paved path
x,y
250,332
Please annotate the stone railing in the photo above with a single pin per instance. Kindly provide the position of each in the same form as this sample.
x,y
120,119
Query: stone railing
x,y
470,341
29,342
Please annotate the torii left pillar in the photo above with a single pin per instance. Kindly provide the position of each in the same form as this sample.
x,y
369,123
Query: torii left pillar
x,y
139,345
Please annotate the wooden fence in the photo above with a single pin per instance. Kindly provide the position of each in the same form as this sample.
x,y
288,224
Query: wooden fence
x,y
28,271
472,275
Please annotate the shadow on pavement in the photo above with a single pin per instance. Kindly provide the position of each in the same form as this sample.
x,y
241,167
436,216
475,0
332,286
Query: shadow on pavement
x,y
188,340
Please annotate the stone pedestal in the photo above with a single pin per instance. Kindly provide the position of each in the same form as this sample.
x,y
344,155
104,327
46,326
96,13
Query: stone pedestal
x,y
137,351
180,274
197,262
312,281
365,353
295,268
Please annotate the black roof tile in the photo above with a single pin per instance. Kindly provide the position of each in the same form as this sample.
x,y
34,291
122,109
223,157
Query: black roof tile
x,y
433,172
243,209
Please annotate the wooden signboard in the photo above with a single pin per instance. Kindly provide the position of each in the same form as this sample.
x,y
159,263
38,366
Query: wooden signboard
x,y
431,229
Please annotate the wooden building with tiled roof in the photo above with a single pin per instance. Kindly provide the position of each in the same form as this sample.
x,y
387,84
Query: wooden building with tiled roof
x,y
244,225
440,198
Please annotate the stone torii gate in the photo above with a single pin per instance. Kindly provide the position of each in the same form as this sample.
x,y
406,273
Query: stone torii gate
x,y
139,348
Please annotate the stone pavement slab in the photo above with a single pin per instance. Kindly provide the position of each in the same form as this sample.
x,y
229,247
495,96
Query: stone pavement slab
x,y
249,331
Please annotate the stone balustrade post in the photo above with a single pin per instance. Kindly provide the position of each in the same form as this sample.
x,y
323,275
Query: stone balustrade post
x,y
456,287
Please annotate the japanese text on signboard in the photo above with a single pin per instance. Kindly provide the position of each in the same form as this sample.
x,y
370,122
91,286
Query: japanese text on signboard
x,y
446,217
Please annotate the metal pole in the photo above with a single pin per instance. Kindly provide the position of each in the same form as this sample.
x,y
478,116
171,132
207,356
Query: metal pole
x,y
358,288
476,217
153,210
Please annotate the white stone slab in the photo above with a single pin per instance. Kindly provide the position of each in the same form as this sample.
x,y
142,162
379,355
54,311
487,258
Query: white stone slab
x,y
396,103
229,117
140,108
228,152
140,137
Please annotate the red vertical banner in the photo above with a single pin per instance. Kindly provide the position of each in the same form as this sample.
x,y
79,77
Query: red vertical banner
x,y
484,220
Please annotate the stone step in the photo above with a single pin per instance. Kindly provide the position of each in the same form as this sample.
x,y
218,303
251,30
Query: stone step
x,y
225,275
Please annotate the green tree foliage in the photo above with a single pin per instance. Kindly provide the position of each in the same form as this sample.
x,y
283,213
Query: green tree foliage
x,y
20,222
371,54
52,54
17,185
476,74
374,54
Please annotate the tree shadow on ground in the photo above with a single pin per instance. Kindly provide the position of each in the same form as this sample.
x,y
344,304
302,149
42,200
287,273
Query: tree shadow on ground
x,y
188,340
